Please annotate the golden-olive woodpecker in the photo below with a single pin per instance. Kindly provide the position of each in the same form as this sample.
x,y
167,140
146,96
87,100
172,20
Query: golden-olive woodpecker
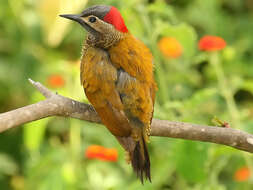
x,y
117,77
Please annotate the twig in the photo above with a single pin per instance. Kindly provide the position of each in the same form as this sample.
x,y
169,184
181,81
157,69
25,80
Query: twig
x,y
57,105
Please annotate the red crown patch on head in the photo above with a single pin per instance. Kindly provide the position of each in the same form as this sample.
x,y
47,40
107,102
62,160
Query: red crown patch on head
x,y
114,17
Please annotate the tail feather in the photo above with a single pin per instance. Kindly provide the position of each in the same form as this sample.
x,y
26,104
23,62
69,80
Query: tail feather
x,y
140,160
139,156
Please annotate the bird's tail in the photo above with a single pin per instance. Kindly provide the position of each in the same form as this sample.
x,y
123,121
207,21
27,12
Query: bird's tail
x,y
140,160
137,155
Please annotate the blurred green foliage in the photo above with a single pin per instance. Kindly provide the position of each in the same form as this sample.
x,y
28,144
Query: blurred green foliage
x,y
49,154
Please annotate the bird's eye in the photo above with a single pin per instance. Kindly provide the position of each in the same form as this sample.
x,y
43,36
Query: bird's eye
x,y
92,19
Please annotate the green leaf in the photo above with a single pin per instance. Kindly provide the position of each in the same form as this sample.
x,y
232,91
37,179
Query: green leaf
x,y
190,160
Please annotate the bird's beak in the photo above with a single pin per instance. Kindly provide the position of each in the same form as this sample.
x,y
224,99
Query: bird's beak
x,y
76,18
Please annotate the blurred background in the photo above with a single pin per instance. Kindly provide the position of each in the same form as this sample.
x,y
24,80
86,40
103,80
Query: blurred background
x,y
199,78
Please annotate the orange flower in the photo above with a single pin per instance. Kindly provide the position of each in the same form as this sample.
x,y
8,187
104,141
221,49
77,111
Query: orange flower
x,y
211,43
242,174
111,154
94,151
56,81
170,47
101,153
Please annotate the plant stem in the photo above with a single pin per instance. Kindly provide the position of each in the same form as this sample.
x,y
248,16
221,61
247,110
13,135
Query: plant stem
x,y
225,91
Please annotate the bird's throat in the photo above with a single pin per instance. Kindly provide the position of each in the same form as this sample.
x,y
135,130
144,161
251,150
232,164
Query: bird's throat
x,y
104,41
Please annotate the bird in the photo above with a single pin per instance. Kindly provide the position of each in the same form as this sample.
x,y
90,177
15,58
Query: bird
x,y
116,73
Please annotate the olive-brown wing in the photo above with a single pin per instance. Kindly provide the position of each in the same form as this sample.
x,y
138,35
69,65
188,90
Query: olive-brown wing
x,y
136,97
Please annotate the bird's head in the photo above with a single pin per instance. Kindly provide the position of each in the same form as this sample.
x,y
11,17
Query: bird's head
x,y
101,21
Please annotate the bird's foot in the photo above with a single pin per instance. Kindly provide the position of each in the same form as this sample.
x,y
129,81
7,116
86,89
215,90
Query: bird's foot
x,y
147,133
148,130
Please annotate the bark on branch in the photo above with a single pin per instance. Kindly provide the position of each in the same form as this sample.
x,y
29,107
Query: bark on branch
x,y
57,105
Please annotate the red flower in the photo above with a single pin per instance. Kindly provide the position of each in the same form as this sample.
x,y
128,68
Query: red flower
x,y
170,47
242,174
101,153
56,81
211,43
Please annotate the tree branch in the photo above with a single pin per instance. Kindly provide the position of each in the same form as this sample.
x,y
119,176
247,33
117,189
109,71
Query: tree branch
x,y
57,105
